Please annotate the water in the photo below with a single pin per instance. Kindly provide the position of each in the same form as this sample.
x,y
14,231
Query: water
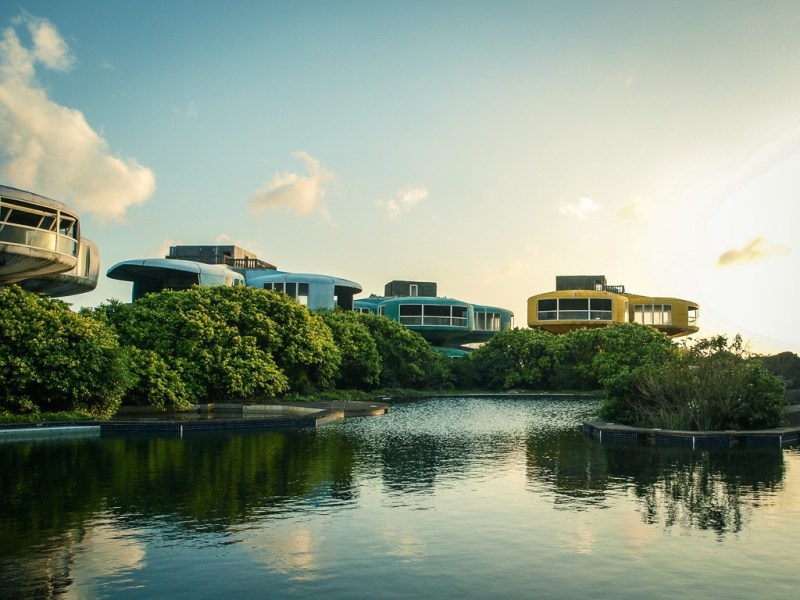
x,y
442,498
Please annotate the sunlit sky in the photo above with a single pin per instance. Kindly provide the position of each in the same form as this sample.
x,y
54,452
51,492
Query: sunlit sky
x,y
488,146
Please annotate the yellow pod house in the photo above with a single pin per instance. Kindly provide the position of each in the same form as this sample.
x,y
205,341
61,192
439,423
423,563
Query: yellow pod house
x,y
588,301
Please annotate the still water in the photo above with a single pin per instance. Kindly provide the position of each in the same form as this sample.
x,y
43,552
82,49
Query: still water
x,y
441,498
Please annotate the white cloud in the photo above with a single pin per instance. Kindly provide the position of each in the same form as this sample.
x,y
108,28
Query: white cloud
x,y
584,207
507,271
404,200
302,194
636,210
51,149
190,111
753,251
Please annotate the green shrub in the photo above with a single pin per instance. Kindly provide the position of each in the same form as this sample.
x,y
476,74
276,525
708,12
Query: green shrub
x,y
407,360
52,359
712,386
360,366
516,358
192,348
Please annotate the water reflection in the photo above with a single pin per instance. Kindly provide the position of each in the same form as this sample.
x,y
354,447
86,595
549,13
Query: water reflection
x,y
705,490
83,516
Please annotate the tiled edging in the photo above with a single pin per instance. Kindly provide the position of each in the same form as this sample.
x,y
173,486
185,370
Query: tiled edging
x,y
13,431
176,427
612,432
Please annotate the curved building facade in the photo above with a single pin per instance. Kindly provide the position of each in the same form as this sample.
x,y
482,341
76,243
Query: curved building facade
x,y
309,289
447,324
186,266
588,301
150,275
41,247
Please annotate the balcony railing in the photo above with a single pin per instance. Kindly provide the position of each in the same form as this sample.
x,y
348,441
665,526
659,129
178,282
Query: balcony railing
x,y
434,321
575,315
240,263
23,235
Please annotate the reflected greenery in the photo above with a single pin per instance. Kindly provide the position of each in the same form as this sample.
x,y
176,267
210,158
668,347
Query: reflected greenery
x,y
218,484
208,482
705,490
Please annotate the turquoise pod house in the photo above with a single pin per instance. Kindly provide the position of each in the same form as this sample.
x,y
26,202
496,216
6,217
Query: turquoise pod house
x,y
451,326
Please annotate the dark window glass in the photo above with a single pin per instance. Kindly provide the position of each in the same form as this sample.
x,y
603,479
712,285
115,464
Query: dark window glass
x,y
408,310
434,310
601,303
291,289
573,304
549,304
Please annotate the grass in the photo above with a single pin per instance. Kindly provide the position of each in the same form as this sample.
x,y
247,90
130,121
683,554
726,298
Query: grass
x,y
44,417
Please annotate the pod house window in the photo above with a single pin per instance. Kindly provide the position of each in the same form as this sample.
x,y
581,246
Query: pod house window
x,y
437,315
298,291
575,309
487,321
652,314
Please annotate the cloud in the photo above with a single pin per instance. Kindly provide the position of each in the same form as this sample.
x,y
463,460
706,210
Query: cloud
x,y
404,200
753,251
51,149
636,210
506,271
584,207
190,111
302,194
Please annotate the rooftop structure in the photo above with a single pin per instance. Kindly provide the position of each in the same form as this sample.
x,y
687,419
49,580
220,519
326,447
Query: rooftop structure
x,y
232,256
41,247
581,301
447,324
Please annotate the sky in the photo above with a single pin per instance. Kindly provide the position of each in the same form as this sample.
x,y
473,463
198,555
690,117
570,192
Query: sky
x,y
487,146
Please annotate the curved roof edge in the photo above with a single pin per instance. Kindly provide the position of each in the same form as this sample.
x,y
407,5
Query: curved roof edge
x,y
124,270
26,196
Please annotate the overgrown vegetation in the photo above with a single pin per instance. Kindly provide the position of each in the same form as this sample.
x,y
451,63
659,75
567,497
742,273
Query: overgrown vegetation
x,y
714,385
209,344
54,360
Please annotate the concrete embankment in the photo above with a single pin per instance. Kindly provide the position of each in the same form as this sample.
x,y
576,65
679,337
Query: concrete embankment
x,y
204,417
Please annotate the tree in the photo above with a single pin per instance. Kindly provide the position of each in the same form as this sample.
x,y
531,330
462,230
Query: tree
x,y
299,341
516,358
52,359
360,366
715,385
198,348
407,360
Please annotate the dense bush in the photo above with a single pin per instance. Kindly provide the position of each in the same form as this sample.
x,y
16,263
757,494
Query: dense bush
x,y
298,340
198,356
715,385
172,349
516,358
579,360
52,359
786,366
407,360
360,367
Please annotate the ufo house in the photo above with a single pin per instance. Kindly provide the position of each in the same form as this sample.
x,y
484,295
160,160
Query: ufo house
x,y
588,301
451,326
41,247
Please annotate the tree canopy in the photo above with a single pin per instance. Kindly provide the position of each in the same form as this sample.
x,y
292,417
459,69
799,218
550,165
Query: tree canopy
x,y
52,359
